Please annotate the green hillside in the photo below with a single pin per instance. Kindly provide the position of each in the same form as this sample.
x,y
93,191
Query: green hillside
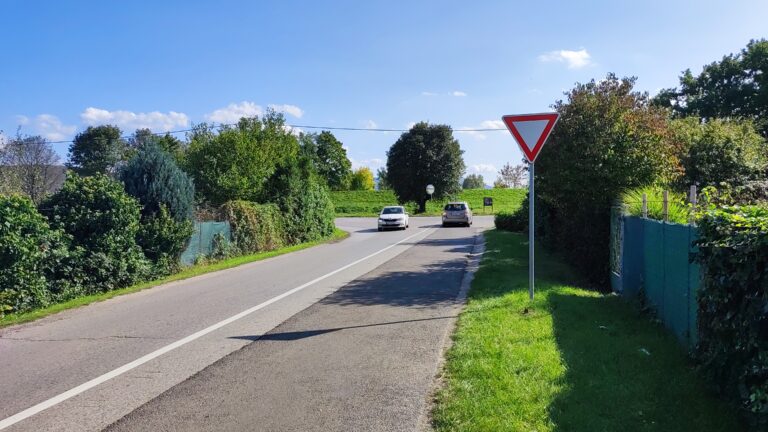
x,y
369,203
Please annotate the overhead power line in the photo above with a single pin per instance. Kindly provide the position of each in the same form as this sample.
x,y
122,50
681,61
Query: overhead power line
x,y
304,127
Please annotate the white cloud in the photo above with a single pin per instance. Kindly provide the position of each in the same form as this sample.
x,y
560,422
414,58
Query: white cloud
x,y
370,124
426,93
486,124
233,112
288,109
127,120
373,164
574,59
458,93
483,169
48,126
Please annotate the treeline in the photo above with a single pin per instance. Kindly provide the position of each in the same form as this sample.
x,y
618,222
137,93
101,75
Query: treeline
x,y
125,212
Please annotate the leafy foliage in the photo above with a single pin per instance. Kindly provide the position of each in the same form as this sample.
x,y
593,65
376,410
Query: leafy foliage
x,y
25,242
103,222
168,143
473,181
97,150
163,239
516,221
236,162
608,140
426,154
255,227
362,179
381,178
304,201
720,151
733,300
329,159
735,87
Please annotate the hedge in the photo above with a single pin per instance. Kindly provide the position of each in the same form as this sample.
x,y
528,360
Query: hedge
x,y
255,227
733,306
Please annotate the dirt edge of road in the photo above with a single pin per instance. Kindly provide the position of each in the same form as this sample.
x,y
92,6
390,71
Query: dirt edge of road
x,y
473,264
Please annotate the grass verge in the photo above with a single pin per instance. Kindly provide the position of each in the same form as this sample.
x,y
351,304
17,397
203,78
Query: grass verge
x,y
196,270
571,360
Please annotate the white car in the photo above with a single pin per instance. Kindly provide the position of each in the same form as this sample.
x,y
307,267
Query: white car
x,y
393,217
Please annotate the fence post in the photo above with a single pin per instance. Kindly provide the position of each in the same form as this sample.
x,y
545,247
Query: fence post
x,y
666,206
645,206
694,201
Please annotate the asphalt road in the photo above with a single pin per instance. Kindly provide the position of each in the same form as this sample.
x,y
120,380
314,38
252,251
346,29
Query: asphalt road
x,y
344,336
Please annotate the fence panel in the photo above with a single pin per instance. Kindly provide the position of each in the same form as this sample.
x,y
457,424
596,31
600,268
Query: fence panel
x,y
656,263
201,242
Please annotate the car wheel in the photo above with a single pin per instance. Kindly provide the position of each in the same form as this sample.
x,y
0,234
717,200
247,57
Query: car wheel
x,y
380,229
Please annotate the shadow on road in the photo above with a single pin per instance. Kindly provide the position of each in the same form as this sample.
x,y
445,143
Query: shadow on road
x,y
296,335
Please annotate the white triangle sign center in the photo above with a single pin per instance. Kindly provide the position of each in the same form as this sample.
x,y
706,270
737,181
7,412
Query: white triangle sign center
x,y
530,131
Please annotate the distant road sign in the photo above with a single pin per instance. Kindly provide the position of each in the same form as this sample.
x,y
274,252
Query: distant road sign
x,y
531,131
430,189
488,202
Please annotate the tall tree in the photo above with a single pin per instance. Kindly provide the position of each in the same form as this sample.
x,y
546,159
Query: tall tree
x,y
735,87
511,176
97,150
473,181
426,154
30,166
329,158
362,179
236,162
720,151
381,179
167,142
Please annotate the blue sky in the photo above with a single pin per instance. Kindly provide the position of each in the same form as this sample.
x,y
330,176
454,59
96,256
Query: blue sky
x,y
386,64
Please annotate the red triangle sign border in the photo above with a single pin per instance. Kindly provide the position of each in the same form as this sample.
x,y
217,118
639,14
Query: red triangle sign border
x,y
530,153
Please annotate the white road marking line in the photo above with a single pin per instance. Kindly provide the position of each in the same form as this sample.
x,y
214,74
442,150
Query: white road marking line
x,y
29,412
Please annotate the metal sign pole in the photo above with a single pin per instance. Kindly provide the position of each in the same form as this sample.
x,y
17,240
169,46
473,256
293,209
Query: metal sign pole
x,y
531,226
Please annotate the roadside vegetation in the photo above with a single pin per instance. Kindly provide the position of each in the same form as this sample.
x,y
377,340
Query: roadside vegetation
x,y
203,267
370,203
573,359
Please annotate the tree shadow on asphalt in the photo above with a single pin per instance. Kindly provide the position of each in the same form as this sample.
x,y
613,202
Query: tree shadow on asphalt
x,y
426,286
296,335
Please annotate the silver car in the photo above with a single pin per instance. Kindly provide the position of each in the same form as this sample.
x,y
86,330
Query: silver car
x,y
457,213
393,217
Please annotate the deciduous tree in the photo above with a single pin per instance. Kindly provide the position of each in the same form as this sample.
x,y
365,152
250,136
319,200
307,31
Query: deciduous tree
x,y
362,179
473,181
426,154
97,150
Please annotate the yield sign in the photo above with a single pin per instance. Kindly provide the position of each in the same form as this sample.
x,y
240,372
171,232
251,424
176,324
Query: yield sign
x,y
531,131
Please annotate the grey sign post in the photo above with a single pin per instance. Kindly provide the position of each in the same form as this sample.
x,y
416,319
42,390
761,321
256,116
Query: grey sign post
x,y
530,131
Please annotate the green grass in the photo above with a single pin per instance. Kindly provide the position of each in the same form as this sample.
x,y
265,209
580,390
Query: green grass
x,y
196,270
572,360
678,210
369,203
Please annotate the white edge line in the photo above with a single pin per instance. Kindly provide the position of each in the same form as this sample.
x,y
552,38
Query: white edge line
x,y
29,412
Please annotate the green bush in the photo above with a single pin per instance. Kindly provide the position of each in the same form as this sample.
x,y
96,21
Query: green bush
x,y
163,239
25,244
255,227
303,200
516,221
103,222
732,305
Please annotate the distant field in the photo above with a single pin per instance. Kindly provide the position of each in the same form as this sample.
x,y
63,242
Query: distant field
x,y
369,203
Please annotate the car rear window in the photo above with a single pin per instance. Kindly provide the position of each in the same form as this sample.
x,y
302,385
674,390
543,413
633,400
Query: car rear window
x,y
455,207
392,210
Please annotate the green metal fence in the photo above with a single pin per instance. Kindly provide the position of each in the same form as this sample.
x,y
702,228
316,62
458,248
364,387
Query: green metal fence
x,y
201,242
655,262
